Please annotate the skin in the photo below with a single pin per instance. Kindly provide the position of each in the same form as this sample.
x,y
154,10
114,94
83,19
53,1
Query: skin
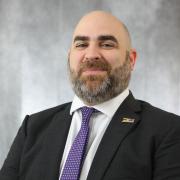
x,y
99,36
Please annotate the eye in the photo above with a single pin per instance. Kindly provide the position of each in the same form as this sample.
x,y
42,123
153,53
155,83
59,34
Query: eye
x,y
81,45
108,45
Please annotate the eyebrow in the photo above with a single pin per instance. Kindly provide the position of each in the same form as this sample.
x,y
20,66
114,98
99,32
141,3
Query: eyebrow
x,y
100,38
107,37
81,38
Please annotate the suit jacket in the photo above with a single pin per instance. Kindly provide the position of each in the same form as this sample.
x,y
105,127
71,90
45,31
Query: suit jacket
x,y
141,143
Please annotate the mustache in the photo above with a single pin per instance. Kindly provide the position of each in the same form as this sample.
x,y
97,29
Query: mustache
x,y
95,64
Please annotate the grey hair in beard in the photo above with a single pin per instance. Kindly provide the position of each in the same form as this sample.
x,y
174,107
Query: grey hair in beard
x,y
108,87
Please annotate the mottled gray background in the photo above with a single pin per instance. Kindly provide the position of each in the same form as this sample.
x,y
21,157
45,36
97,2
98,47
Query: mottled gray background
x,y
34,38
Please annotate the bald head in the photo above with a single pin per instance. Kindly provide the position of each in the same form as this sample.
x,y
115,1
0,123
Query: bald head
x,y
104,23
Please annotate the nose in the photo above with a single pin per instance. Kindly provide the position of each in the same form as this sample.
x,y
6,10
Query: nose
x,y
92,52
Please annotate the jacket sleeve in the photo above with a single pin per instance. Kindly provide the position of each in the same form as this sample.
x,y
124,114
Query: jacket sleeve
x,y
167,156
10,168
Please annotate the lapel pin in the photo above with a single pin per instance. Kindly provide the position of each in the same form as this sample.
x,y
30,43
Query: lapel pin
x,y
127,120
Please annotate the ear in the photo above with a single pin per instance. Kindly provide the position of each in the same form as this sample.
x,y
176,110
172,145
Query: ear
x,y
132,56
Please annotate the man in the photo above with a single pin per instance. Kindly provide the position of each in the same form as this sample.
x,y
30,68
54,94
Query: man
x,y
123,138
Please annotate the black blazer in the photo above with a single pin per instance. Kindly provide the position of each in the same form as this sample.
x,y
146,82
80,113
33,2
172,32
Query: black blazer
x,y
145,146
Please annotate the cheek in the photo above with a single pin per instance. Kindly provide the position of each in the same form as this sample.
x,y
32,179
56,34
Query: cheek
x,y
114,59
121,58
74,60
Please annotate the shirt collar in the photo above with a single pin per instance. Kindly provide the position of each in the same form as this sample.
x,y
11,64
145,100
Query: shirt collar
x,y
108,107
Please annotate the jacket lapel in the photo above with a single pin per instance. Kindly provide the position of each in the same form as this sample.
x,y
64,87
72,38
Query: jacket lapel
x,y
123,122
54,144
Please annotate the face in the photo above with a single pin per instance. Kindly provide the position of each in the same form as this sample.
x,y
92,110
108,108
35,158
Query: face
x,y
100,59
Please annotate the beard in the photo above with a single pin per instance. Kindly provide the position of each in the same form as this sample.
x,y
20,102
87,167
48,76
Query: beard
x,y
95,89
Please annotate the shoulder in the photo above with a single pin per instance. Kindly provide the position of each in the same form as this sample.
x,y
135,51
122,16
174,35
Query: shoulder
x,y
43,118
148,111
158,118
157,124
154,111
51,111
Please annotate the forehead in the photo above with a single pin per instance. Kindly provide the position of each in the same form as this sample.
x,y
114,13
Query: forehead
x,y
96,26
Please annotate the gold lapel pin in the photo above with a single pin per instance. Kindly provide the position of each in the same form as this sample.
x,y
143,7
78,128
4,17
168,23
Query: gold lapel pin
x,y
127,120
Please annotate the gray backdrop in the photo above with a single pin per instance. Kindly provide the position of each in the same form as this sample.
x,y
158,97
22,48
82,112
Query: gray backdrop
x,y
34,39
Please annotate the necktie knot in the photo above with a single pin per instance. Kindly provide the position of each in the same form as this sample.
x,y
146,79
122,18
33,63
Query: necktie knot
x,y
86,113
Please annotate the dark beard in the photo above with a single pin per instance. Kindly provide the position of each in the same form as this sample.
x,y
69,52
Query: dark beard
x,y
97,89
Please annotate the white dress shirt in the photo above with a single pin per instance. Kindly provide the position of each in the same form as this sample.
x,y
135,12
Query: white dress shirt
x,y
97,124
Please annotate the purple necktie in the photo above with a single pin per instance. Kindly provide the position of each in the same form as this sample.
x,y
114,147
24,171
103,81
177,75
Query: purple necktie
x,y
74,161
